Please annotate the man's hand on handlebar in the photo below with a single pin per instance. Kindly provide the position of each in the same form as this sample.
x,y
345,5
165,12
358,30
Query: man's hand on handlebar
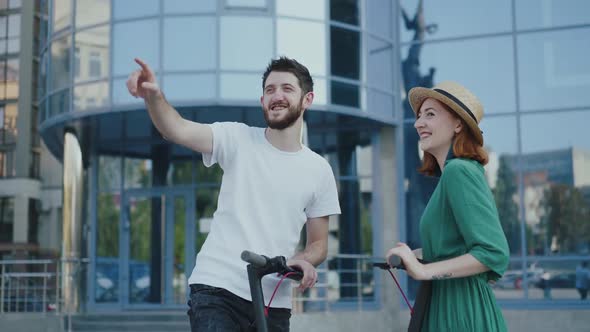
x,y
310,275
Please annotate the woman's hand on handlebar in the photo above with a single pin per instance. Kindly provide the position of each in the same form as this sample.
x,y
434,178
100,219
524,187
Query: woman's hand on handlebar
x,y
413,267
310,274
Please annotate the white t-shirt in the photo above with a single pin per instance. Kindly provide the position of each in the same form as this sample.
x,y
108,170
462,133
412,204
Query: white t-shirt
x,y
266,197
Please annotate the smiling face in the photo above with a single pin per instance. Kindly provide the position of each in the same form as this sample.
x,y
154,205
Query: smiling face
x,y
436,126
282,100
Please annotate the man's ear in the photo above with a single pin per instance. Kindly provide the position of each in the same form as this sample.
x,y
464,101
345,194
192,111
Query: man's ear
x,y
308,100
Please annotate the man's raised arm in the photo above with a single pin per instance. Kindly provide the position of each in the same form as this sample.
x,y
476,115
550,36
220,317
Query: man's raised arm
x,y
196,136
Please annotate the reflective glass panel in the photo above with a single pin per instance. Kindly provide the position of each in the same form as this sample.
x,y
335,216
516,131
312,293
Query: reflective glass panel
x,y
127,45
445,19
380,64
90,96
555,161
320,91
301,8
379,17
90,12
241,86
532,14
92,53
107,247
60,63
190,43
109,172
256,39
205,207
62,14
380,104
309,51
555,280
345,11
190,86
12,78
138,173
554,71
59,102
135,8
487,69
121,94
189,6
13,25
345,49
246,3
345,94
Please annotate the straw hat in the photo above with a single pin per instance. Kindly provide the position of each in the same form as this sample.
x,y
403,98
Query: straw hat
x,y
456,97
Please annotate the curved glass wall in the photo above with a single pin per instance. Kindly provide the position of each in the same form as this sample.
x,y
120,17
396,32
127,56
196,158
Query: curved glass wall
x,y
202,54
526,61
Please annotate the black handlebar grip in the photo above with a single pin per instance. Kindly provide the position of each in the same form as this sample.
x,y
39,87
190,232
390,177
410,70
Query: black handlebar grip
x,y
254,259
395,262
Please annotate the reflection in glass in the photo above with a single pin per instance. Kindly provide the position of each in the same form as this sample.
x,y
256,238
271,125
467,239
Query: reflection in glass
x,y
246,3
301,8
380,104
553,69
13,25
109,172
128,42
241,86
141,259
205,207
346,11
10,85
60,63
42,81
309,51
320,90
90,12
121,94
107,248
534,14
487,69
210,175
380,64
189,87
62,15
179,278
138,173
59,102
556,182
189,6
447,19
196,37
180,172
135,8
89,96
256,39
92,54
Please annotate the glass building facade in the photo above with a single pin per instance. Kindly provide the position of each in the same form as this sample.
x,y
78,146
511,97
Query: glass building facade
x,y
148,203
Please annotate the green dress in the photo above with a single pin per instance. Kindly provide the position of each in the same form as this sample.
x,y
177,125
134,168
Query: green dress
x,y
461,217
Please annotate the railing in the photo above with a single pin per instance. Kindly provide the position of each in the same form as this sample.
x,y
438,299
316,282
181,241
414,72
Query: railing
x,y
34,286
343,280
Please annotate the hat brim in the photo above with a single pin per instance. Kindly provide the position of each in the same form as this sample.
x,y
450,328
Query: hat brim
x,y
418,95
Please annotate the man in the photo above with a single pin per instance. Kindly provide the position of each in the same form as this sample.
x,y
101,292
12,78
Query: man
x,y
272,185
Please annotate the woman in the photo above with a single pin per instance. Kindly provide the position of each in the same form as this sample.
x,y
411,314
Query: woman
x,y
460,228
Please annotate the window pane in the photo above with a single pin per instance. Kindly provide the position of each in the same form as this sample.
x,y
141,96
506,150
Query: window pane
x,y
138,173
127,45
379,17
320,91
380,104
13,25
60,63
59,102
12,78
309,51
190,87
501,172
256,39
345,58
93,53
90,12
6,214
89,96
107,248
246,3
180,172
445,19
121,94
345,11
196,37
109,172
556,182
135,8
489,61
62,14
345,94
301,8
380,64
189,6
532,14
554,280
241,86
554,70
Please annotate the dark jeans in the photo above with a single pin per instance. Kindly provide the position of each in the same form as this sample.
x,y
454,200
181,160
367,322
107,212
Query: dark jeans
x,y
583,293
214,309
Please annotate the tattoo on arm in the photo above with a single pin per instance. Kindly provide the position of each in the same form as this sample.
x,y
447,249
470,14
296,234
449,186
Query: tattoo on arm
x,y
442,276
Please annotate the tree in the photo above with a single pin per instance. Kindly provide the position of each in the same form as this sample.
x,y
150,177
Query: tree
x,y
504,194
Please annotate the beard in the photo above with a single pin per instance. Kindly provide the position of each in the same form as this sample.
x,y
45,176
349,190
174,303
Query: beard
x,y
293,113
